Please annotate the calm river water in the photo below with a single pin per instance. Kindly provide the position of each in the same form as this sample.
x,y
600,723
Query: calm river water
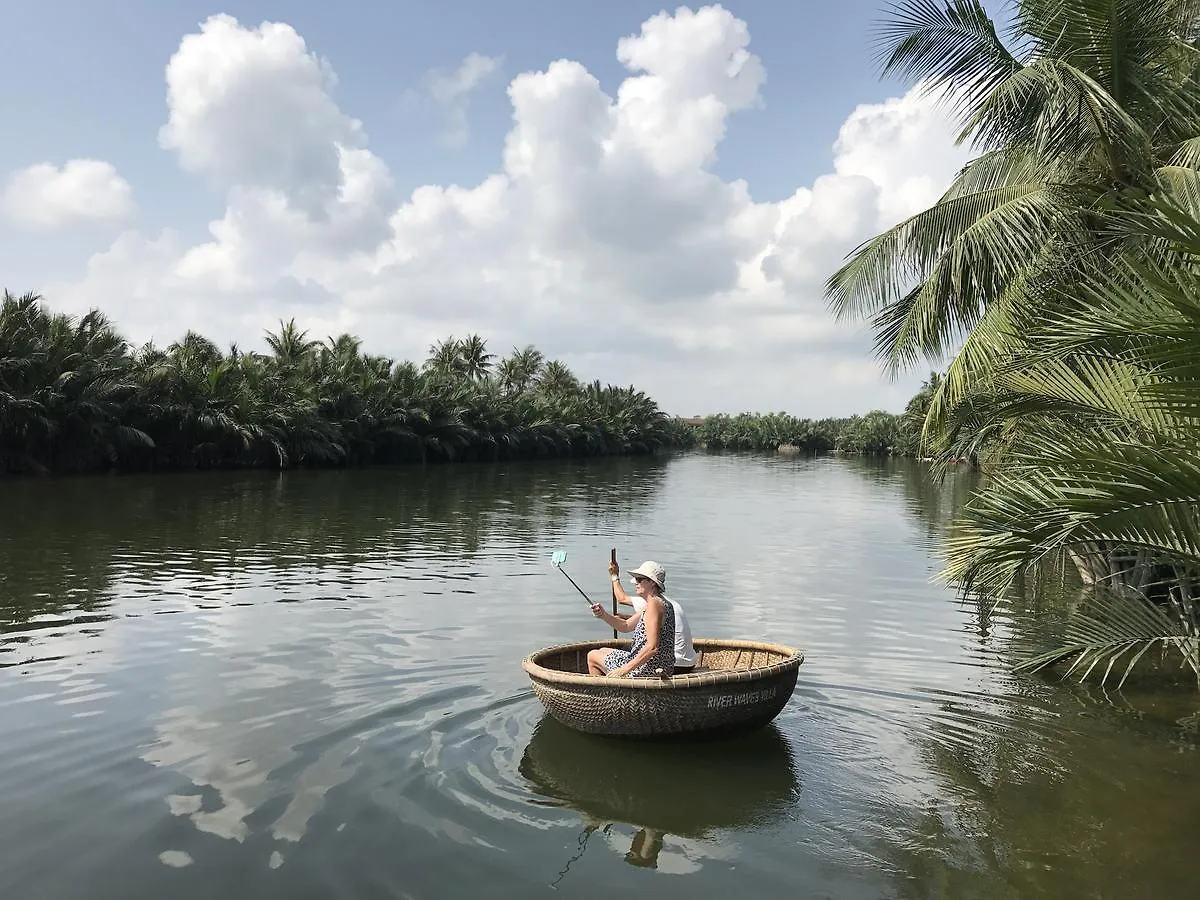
x,y
308,685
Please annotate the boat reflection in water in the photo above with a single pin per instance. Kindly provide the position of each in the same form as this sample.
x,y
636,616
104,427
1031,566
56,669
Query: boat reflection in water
x,y
687,789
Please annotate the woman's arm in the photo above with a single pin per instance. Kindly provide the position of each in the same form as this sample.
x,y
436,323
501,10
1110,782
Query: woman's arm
x,y
623,624
614,575
653,614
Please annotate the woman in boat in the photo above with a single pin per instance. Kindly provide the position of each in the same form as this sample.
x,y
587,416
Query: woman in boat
x,y
685,653
653,650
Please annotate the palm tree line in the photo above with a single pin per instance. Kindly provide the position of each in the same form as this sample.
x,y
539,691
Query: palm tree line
x,y
75,397
1058,280
877,433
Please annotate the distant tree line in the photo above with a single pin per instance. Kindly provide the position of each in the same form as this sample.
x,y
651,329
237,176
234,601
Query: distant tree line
x,y
878,433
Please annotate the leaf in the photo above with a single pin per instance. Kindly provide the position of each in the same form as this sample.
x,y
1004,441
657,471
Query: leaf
x,y
1110,627
951,46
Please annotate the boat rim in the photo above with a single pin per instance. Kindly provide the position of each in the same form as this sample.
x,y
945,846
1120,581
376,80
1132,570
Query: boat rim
x,y
793,658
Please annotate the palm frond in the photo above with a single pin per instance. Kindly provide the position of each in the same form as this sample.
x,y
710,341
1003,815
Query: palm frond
x,y
1187,154
969,242
1114,629
951,46
1005,166
1060,112
1062,490
1182,186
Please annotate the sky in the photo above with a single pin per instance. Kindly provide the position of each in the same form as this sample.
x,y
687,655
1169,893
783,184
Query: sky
x,y
653,195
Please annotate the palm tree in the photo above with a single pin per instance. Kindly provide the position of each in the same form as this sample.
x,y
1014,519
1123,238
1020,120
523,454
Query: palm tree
x,y
1079,214
474,361
191,402
24,422
1088,102
195,346
556,378
291,346
73,397
444,358
519,370
92,389
345,347
912,421
1101,416
65,387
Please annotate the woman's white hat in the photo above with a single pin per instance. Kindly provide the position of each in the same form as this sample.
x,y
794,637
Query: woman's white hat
x,y
652,570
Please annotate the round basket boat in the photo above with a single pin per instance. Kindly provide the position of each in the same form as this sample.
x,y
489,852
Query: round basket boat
x,y
736,685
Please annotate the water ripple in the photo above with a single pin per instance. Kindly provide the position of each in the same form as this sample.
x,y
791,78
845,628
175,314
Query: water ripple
x,y
310,684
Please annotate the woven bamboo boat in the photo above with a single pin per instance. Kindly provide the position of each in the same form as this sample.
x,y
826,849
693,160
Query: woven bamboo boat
x,y
736,685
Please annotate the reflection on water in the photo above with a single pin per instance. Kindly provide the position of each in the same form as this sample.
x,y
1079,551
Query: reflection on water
x,y
690,791
309,684
223,525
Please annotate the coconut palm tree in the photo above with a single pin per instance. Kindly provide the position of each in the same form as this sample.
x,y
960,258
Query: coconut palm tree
x,y
64,389
556,378
1099,413
1085,103
24,421
342,350
1076,215
73,397
445,358
193,402
196,349
474,361
291,345
912,420
520,369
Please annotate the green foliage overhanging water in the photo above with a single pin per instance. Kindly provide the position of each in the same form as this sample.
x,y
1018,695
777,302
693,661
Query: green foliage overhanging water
x,y
1058,276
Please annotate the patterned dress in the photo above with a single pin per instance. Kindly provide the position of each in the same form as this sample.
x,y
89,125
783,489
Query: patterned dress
x,y
664,656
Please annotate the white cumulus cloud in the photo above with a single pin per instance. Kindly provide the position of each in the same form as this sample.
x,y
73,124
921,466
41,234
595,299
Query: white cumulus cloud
x,y
46,197
253,108
605,237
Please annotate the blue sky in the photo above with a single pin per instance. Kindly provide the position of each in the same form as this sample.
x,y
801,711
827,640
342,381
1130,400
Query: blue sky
x,y
94,88
96,77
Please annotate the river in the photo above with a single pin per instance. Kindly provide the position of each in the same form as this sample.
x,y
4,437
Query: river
x,y
308,684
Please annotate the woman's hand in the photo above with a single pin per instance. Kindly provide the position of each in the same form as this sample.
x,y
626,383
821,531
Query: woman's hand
x,y
597,610
619,673
613,570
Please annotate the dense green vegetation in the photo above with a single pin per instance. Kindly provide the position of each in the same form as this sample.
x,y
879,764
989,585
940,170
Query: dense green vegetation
x,y
1059,275
878,433
74,397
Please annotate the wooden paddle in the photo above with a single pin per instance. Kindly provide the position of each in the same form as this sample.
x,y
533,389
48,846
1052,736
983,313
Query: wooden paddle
x,y
614,589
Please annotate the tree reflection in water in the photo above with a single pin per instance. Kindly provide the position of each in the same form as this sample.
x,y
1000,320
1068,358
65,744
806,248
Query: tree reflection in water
x,y
1047,787
65,544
